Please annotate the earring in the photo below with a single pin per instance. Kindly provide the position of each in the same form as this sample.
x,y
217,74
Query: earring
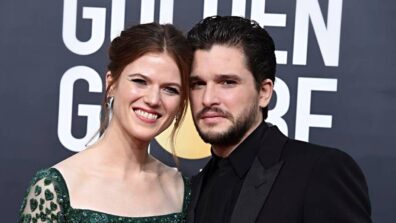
x,y
109,102
109,106
177,118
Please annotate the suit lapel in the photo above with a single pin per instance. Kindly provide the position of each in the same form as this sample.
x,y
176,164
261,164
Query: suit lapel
x,y
260,178
254,192
196,191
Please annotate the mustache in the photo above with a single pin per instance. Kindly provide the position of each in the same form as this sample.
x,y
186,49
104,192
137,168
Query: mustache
x,y
213,109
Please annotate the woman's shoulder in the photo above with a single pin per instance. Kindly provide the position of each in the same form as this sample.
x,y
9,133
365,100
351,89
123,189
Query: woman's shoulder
x,y
72,168
73,161
46,177
45,198
168,173
173,178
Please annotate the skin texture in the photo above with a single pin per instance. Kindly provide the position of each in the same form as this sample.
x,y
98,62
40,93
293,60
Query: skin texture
x,y
146,96
117,175
223,95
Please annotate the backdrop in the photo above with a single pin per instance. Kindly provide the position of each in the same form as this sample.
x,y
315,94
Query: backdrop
x,y
335,82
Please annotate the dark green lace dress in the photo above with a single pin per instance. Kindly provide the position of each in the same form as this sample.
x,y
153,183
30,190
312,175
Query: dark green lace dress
x,y
47,200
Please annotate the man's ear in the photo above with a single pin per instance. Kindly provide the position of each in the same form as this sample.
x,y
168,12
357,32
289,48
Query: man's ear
x,y
109,81
265,92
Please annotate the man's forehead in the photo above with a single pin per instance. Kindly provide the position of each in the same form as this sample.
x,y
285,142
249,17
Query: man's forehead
x,y
218,76
220,48
219,60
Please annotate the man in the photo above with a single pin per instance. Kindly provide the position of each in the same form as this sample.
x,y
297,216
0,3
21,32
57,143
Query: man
x,y
256,173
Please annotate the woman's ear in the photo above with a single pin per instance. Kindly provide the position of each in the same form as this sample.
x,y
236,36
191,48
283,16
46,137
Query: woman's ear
x,y
265,92
109,81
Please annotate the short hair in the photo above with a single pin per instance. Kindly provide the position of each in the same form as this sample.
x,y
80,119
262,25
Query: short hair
x,y
257,45
138,40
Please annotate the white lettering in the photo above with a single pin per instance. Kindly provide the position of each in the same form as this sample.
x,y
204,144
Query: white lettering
x,y
281,107
281,56
147,11
92,112
98,17
266,19
166,12
328,37
239,8
304,118
269,19
210,8
117,18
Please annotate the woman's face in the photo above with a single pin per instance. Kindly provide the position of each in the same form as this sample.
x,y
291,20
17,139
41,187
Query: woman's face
x,y
146,96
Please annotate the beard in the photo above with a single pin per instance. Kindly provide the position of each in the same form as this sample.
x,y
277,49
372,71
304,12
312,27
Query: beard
x,y
234,133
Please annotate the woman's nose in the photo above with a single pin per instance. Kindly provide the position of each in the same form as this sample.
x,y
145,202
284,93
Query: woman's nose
x,y
152,96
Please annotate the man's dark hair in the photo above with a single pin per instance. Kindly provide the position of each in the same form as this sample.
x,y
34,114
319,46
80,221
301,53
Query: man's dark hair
x,y
256,43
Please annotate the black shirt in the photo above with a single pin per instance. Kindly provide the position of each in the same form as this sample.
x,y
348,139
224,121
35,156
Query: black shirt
x,y
223,181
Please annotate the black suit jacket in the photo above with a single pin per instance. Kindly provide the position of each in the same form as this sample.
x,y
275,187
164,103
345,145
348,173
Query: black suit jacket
x,y
294,182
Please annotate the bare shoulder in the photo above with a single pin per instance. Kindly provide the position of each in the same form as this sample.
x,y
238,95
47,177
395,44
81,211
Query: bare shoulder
x,y
169,173
172,182
71,168
170,177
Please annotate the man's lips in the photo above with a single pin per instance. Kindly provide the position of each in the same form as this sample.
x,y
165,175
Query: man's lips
x,y
212,113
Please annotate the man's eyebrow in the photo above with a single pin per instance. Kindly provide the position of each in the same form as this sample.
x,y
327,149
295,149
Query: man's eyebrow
x,y
194,78
227,76
218,77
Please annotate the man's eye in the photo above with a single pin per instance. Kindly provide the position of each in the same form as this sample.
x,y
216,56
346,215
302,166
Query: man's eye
x,y
171,91
228,82
139,81
196,84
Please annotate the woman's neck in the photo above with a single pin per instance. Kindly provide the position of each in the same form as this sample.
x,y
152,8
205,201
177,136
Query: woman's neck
x,y
119,151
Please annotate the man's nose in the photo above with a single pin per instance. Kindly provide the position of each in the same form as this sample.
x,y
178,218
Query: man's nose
x,y
210,97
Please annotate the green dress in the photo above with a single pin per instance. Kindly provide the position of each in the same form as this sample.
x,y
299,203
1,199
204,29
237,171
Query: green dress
x,y
47,200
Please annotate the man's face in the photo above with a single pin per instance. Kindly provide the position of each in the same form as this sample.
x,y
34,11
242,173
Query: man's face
x,y
224,100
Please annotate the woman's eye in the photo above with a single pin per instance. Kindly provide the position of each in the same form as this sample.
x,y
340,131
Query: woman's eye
x,y
139,81
171,90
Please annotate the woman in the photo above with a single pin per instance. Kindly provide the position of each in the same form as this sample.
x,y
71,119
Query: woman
x,y
116,180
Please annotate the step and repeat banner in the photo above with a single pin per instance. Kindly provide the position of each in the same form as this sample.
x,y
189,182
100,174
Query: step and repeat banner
x,y
335,85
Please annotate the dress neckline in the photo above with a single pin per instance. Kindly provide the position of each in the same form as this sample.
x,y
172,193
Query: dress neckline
x,y
66,198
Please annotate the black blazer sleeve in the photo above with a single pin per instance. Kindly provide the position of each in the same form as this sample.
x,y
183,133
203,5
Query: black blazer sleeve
x,y
336,191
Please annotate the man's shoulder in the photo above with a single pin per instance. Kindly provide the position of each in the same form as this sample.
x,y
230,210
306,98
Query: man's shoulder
x,y
298,147
308,151
317,156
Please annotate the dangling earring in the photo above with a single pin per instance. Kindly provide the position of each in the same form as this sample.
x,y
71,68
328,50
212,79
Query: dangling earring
x,y
177,119
109,102
109,105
